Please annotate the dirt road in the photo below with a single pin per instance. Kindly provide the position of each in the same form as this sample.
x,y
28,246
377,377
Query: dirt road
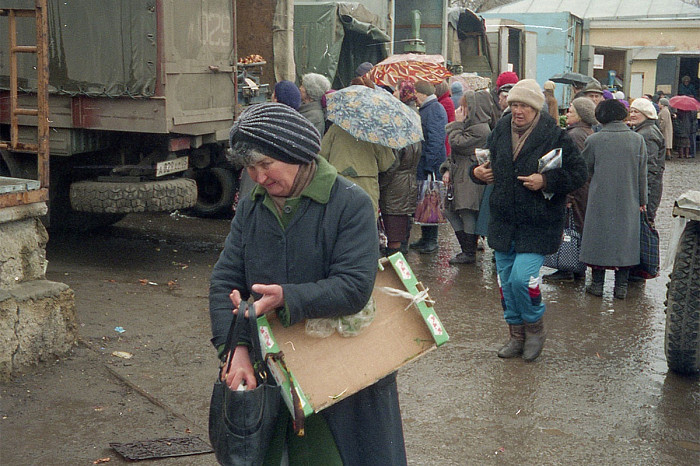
x,y
599,394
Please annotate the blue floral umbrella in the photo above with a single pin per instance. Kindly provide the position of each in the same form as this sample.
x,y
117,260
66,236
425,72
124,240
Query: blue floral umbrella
x,y
375,116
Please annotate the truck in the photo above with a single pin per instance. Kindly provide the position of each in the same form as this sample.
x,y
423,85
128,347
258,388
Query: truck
x,y
672,66
141,96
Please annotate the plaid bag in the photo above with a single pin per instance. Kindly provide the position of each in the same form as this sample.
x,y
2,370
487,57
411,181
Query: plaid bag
x,y
566,259
648,249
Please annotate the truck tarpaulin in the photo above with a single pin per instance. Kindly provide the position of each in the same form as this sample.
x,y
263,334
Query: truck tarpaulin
x,y
334,38
126,67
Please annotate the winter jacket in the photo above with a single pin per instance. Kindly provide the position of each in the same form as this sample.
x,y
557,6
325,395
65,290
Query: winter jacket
x,y
518,216
656,163
326,261
666,126
358,161
579,132
464,137
313,111
551,104
433,119
398,187
616,157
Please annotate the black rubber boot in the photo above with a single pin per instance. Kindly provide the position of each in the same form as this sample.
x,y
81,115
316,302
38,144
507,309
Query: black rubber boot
x,y
598,279
535,336
468,246
420,244
430,233
621,278
514,347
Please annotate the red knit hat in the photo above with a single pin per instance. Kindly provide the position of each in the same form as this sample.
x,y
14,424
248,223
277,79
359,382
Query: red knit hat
x,y
507,77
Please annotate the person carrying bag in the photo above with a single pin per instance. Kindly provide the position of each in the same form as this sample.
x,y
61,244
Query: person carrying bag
x,y
242,422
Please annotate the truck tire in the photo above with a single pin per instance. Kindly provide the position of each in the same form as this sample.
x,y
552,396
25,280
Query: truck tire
x,y
216,189
682,341
126,198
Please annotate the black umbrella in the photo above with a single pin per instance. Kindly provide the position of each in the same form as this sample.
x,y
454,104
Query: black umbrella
x,y
575,79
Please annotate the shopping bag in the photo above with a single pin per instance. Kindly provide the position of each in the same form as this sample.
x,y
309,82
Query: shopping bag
x,y
566,259
648,249
242,422
431,202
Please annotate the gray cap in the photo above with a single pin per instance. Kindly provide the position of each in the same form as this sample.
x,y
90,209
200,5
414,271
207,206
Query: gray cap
x,y
593,86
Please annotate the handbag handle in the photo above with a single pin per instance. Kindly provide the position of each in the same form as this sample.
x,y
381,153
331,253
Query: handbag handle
x,y
235,331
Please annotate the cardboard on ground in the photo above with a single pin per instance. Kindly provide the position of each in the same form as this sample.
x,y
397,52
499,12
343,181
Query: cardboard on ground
x,y
326,370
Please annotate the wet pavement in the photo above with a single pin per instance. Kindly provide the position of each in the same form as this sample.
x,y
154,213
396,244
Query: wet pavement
x,y
600,393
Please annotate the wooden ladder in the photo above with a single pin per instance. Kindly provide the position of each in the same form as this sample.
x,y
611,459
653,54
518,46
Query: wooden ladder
x,y
28,195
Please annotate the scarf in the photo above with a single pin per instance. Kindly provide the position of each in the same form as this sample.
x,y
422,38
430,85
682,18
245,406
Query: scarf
x,y
519,134
301,182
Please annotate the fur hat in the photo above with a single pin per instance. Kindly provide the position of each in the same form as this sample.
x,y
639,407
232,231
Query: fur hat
x,y
424,87
550,85
507,77
610,110
585,108
286,92
645,107
315,84
527,91
407,91
283,133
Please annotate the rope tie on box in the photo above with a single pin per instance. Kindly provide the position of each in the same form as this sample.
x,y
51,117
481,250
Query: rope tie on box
x,y
421,296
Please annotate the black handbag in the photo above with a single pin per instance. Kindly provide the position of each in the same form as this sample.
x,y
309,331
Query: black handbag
x,y
566,259
242,423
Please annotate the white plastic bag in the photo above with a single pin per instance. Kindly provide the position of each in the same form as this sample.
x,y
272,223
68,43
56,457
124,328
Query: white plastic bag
x,y
549,161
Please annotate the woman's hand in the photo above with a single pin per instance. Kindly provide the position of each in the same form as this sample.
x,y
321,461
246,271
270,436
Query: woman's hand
x,y
272,298
446,177
460,114
241,370
533,182
642,208
484,172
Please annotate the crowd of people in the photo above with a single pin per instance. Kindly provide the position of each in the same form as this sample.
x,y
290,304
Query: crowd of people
x,y
304,240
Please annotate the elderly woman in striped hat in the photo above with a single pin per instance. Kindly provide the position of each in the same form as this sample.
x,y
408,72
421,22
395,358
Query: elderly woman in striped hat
x,y
304,244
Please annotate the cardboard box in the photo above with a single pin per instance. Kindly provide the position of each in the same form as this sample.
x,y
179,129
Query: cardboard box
x,y
323,371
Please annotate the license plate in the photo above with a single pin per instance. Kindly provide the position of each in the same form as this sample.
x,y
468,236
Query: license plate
x,y
179,164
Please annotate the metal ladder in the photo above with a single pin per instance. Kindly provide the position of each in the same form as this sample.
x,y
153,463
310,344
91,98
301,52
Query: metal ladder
x,y
41,112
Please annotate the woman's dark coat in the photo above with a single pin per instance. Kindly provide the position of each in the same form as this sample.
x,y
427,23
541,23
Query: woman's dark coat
x,y
433,119
656,163
464,137
520,217
398,187
579,132
326,262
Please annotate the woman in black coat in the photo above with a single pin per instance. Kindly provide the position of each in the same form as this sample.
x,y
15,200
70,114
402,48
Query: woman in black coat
x,y
525,225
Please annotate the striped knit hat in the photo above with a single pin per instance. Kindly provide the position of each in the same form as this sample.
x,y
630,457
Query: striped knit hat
x,y
278,128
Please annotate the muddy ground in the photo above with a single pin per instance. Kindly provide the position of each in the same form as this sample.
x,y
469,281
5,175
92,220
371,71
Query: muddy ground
x,y
599,394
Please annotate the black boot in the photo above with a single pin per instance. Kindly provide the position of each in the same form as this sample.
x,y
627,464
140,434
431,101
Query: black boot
x,y
420,244
535,336
430,233
391,251
621,278
468,245
514,347
598,279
